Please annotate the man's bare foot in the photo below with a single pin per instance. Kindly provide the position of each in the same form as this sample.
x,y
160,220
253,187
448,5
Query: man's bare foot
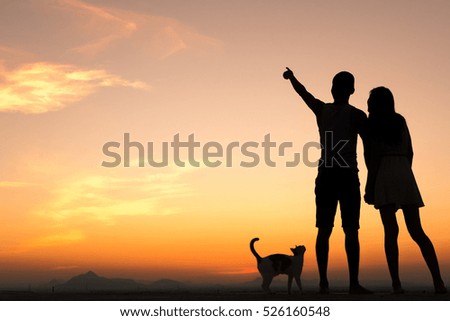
x,y
324,290
398,290
358,289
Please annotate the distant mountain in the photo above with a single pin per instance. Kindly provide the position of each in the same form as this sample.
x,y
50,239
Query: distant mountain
x,y
92,282
167,284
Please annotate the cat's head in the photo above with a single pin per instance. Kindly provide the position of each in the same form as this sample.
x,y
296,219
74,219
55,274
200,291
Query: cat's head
x,y
298,250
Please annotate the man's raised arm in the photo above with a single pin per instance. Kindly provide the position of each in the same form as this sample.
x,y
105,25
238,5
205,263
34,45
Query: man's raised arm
x,y
307,97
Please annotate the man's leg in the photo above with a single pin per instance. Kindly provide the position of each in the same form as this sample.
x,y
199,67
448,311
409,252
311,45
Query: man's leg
x,y
322,247
350,204
352,250
326,205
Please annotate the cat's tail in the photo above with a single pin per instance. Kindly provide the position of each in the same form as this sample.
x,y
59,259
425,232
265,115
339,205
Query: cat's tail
x,y
252,248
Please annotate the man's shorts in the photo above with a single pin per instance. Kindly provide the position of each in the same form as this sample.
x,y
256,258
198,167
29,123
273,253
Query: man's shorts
x,y
335,185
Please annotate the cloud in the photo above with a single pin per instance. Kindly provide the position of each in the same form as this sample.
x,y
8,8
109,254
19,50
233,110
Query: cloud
x,y
32,82
248,270
84,30
42,87
104,25
13,54
64,267
68,237
105,198
37,84
142,33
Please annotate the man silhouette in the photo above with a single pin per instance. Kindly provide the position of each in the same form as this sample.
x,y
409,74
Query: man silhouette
x,y
337,180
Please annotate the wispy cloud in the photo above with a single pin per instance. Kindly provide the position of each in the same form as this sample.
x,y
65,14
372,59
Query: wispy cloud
x,y
105,25
91,31
248,270
156,36
42,87
96,30
64,267
67,237
105,198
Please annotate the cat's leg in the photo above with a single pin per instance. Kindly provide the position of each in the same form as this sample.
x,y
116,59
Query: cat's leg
x,y
299,283
290,278
267,279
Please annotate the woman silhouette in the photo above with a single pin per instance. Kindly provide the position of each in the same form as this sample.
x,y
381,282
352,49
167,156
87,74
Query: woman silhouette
x,y
391,184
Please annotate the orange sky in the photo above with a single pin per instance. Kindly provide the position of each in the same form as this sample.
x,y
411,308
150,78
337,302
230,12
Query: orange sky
x,y
75,75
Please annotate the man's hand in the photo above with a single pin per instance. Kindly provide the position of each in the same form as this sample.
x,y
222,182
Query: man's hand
x,y
288,74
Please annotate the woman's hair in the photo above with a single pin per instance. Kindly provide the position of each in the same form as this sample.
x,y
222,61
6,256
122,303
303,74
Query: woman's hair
x,y
384,123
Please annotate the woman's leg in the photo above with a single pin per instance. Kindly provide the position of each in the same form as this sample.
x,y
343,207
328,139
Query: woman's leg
x,y
391,245
412,220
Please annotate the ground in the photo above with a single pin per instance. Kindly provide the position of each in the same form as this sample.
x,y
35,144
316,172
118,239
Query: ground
x,y
221,295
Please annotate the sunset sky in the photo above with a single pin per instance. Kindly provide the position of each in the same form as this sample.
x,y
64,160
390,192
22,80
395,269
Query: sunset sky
x,y
75,75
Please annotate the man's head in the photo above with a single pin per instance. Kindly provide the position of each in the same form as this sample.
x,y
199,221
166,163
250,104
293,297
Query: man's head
x,y
343,86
